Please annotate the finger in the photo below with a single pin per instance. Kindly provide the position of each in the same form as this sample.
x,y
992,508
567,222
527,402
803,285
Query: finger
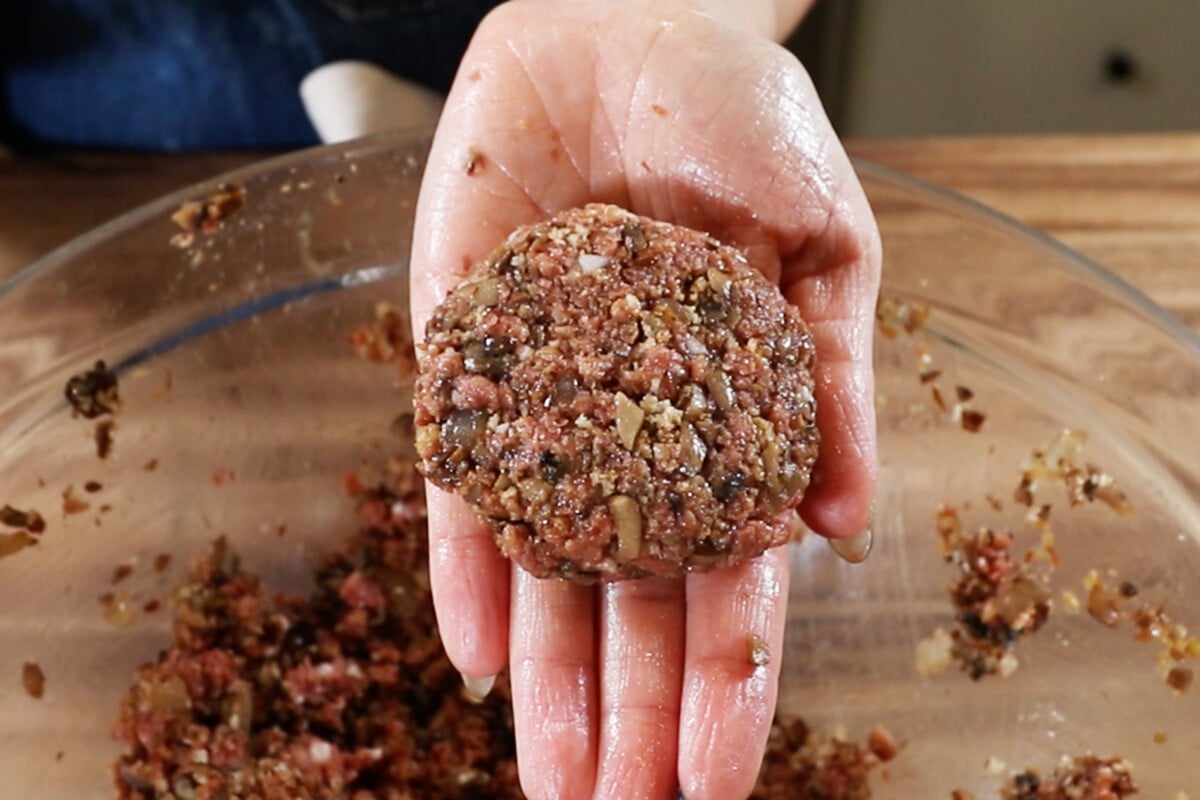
x,y
470,582
498,158
840,497
838,305
804,219
553,670
641,668
728,701
833,278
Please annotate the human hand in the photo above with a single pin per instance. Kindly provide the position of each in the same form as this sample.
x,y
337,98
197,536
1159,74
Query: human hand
x,y
633,689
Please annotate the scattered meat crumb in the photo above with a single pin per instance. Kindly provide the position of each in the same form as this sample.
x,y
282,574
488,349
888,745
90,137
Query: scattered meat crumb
x,y
120,573
970,419
72,504
1084,483
150,465
387,340
118,611
13,543
30,520
893,315
1180,678
475,162
104,437
205,216
91,487
938,400
1080,778
1113,606
161,562
881,744
801,763
33,679
760,653
997,600
94,392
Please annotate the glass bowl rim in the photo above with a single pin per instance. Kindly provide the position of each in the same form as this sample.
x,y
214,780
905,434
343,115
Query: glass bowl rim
x,y
1117,288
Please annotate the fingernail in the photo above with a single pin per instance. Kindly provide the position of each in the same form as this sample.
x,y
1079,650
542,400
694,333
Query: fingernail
x,y
477,688
853,549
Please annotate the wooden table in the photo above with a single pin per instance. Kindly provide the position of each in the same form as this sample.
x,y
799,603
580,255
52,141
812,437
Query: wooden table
x,y
1131,203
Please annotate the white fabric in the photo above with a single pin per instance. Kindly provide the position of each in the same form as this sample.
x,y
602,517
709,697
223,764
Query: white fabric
x,y
348,99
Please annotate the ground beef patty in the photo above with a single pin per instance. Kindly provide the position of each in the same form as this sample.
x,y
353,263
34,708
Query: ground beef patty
x,y
619,397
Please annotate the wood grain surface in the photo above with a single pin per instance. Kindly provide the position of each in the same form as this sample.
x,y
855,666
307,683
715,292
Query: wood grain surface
x,y
1131,203
46,203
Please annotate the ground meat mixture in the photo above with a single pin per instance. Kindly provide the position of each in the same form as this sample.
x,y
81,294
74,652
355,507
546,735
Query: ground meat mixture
x,y
33,679
1115,604
1060,462
345,694
894,316
998,598
801,764
31,524
1080,778
94,394
619,397
30,520
205,216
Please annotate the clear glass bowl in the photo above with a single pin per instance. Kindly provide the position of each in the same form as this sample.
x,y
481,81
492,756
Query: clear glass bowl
x,y
237,381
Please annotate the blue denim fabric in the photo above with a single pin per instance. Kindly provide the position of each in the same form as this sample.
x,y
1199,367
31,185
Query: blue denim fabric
x,y
203,74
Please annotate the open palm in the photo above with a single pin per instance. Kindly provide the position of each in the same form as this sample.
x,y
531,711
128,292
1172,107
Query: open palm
x,y
634,688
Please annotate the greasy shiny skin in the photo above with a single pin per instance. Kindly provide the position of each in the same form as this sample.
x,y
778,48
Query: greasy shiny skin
x,y
626,691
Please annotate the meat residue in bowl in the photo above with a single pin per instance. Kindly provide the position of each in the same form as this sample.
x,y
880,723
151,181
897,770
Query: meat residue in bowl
x,y
30,526
94,394
348,689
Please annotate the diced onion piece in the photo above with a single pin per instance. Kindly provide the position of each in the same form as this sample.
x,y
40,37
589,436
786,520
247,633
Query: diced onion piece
x,y
590,262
